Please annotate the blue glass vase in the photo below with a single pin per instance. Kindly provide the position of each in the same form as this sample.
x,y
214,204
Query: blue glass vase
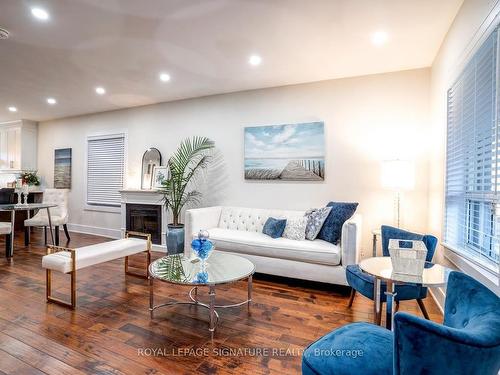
x,y
201,277
202,248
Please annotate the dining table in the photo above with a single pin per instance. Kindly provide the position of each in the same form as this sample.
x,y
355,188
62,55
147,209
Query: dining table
x,y
28,207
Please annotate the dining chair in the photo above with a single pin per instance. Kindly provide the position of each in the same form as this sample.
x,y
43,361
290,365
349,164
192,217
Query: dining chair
x,y
58,215
363,283
6,228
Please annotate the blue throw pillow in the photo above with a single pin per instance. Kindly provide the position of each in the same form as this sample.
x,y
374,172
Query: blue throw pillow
x,y
274,227
332,227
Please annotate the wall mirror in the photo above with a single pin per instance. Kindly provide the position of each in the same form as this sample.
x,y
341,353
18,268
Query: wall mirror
x,y
150,159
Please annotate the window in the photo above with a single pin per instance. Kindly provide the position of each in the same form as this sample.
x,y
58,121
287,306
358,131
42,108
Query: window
x,y
472,201
105,169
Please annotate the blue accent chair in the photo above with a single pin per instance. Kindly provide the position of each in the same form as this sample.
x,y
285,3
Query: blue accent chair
x,y
363,283
468,341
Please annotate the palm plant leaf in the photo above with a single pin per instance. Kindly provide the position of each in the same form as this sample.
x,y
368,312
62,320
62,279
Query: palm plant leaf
x,y
192,157
191,197
189,150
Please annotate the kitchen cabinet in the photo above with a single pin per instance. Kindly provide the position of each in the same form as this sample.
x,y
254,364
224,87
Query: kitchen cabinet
x,y
18,146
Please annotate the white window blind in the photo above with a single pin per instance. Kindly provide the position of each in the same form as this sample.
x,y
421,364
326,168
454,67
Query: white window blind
x,y
472,205
105,169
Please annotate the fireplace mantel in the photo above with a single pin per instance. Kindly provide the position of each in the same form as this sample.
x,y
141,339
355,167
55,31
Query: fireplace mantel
x,y
144,197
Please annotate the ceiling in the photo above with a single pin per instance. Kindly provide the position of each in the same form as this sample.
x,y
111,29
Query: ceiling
x,y
204,45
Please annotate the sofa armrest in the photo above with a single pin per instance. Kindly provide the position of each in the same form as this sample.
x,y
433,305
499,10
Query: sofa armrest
x,y
350,242
196,219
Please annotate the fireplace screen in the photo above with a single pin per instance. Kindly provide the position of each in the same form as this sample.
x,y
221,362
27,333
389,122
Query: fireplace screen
x,y
145,218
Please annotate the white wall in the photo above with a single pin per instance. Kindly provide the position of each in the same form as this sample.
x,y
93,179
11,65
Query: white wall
x,y
367,119
469,27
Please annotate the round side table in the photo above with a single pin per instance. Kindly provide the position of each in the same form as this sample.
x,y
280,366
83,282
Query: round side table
x,y
381,268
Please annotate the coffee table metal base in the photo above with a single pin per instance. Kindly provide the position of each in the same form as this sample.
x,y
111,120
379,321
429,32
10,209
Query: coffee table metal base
x,y
211,306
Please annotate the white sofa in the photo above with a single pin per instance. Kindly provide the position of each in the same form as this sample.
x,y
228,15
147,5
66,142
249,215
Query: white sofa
x,y
238,230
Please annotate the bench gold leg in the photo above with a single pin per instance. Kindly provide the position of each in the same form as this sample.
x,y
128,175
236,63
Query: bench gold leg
x,y
141,275
58,301
48,283
48,274
148,255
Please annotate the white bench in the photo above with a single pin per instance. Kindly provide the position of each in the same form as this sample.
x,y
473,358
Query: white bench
x,y
66,260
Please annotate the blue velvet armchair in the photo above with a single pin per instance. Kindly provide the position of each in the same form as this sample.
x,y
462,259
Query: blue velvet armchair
x,y
468,341
363,283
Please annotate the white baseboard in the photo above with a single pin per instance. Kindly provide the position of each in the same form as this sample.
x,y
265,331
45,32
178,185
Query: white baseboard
x,y
98,231
438,295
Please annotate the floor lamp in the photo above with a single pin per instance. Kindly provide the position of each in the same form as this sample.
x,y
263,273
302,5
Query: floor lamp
x,y
398,176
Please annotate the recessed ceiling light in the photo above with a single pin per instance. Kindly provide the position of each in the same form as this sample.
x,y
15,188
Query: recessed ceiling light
x,y
40,14
100,90
164,77
379,38
12,109
255,60
51,101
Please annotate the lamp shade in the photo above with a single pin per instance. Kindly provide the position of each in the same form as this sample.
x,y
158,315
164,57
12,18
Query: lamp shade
x,y
398,175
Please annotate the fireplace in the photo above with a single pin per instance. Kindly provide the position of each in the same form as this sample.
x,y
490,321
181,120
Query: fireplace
x,y
144,211
145,218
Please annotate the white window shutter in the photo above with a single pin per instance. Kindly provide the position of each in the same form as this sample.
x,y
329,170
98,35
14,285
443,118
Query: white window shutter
x,y
472,157
105,169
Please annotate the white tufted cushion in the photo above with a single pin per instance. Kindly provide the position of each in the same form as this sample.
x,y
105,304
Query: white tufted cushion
x,y
58,215
253,243
5,228
251,219
94,254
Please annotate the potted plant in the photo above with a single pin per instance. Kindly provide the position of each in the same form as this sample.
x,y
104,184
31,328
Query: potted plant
x,y
178,189
30,178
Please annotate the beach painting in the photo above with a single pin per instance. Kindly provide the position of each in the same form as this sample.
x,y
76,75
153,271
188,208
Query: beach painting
x,y
289,152
62,168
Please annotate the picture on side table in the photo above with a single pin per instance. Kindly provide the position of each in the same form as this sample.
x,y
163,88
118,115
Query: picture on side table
x,y
289,152
62,168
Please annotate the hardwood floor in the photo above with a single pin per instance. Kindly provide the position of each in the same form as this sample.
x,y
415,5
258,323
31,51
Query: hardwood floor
x,y
111,331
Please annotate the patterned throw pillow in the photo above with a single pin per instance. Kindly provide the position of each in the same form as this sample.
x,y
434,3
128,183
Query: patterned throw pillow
x,y
332,228
315,219
296,228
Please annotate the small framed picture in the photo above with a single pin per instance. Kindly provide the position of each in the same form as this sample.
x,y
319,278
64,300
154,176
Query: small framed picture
x,y
160,173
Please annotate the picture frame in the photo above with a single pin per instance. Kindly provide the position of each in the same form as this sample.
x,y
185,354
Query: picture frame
x,y
62,168
150,159
160,173
286,152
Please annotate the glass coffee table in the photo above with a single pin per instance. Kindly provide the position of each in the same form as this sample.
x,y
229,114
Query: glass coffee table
x,y
221,268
